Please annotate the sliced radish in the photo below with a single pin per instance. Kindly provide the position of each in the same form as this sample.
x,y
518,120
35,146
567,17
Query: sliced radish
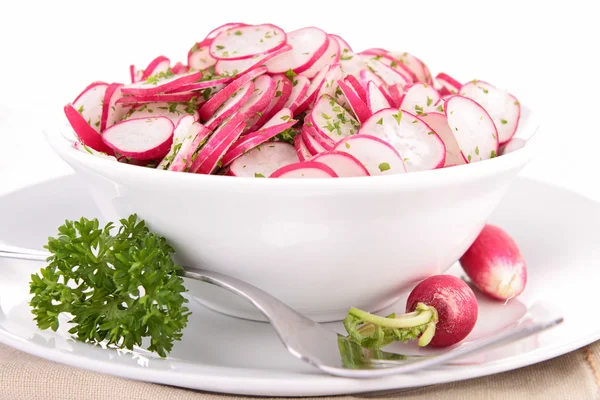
x,y
473,128
420,147
232,105
300,86
85,149
330,57
173,111
283,89
503,107
448,84
439,123
344,164
190,148
330,87
396,94
352,64
184,97
210,107
161,83
156,66
323,140
247,41
279,123
413,64
180,133
141,138
89,103
305,169
308,45
367,76
312,145
344,46
332,120
84,132
199,57
376,155
359,108
215,32
112,111
263,160
313,89
355,84
180,68
207,158
136,75
389,75
385,58
375,99
301,149
215,83
264,90
237,67
419,98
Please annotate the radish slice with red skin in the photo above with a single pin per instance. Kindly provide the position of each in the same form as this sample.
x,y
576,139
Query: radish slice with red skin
x,y
313,89
84,132
135,75
112,111
232,105
413,64
199,57
141,138
359,108
217,84
180,68
387,74
203,159
210,107
155,84
473,128
330,57
421,148
323,140
449,85
300,86
214,160
330,86
367,76
376,155
282,117
344,164
385,58
439,123
283,90
159,64
301,149
503,107
312,145
308,45
263,160
86,149
161,98
495,264
186,154
455,304
305,169
181,132
173,111
396,94
89,103
344,46
242,42
375,98
264,90
355,84
332,120
215,32
419,98
237,67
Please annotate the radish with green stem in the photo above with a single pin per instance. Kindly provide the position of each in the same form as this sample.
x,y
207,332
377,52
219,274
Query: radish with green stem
x,y
440,311
495,264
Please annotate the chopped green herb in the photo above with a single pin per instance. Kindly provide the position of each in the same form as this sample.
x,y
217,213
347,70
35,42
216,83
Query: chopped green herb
x,y
278,93
225,54
219,47
398,116
325,116
504,121
97,123
294,82
238,33
347,145
456,129
415,121
469,158
429,101
394,64
431,133
285,117
440,108
380,121
290,74
493,154
80,109
477,150
257,175
384,166
346,58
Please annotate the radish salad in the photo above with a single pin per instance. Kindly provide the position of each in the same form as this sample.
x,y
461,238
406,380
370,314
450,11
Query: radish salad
x,y
257,101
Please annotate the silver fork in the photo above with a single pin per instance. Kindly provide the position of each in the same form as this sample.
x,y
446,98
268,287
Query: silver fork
x,y
321,347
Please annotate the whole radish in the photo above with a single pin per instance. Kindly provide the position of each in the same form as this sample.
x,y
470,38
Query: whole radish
x,y
495,264
440,311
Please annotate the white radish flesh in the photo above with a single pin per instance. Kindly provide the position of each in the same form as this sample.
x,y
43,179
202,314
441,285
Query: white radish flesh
x,y
449,85
215,32
419,98
330,57
376,155
385,58
180,133
420,147
300,86
215,84
238,67
308,45
264,90
305,169
332,120
359,108
389,75
503,107
160,83
263,160
301,149
439,123
344,46
330,86
233,104
473,128
313,89
312,145
190,148
375,99
89,104
142,138
173,111
184,97
413,64
283,90
156,66
199,57
323,140
344,164
84,132
112,110
88,150
495,264
241,42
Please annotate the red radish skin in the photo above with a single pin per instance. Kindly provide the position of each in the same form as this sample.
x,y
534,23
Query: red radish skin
x,y
376,100
355,84
323,140
89,103
389,75
152,86
199,57
396,94
313,89
161,98
159,64
173,111
135,76
439,123
233,104
112,110
141,138
331,119
344,46
448,84
301,149
308,45
419,98
352,64
495,264
264,90
330,57
391,62
455,303
217,82
215,32
237,67
86,134
312,145
213,161
263,160
185,156
240,42
305,169
359,108
300,86
180,68
181,133
413,64
376,155
211,106
344,164
330,86
283,90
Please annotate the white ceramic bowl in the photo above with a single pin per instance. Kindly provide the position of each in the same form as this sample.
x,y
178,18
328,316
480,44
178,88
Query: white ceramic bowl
x,y
319,245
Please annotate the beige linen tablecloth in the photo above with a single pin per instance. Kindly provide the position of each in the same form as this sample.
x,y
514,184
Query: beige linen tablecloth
x,y
572,376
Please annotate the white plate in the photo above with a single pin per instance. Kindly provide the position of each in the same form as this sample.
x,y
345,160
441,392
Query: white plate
x,y
557,231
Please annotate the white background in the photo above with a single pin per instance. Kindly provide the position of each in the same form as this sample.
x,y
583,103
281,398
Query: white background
x,y
546,53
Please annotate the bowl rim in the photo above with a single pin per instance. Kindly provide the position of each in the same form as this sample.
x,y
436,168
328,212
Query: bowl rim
x,y
529,125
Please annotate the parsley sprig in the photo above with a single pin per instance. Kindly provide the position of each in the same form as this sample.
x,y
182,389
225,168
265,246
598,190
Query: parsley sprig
x,y
117,289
